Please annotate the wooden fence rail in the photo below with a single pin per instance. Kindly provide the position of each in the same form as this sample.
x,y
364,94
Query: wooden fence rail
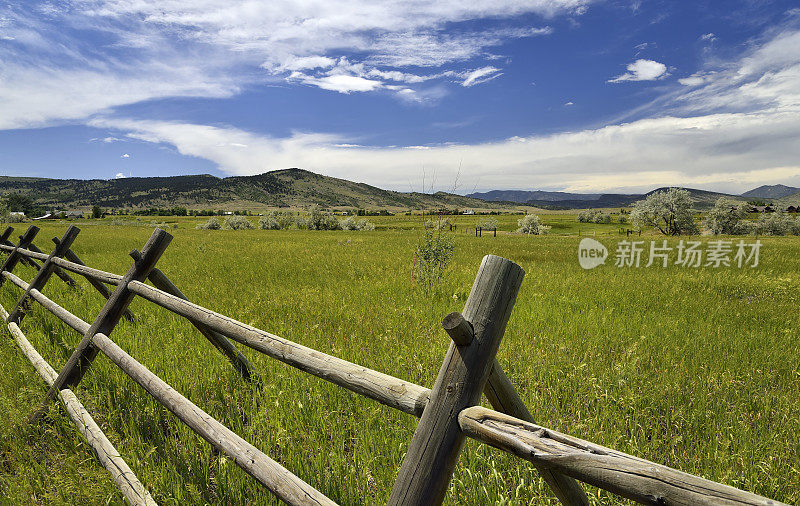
x,y
449,411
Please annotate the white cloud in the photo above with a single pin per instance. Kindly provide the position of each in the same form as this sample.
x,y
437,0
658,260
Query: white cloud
x,y
126,155
718,151
152,49
119,175
481,75
642,70
737,128
567,104
340,83
708,37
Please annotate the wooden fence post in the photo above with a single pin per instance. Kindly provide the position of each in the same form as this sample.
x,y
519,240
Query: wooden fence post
x,y
15,256
98,285
44,274
58,271
239,361
107,319
5,242
432,455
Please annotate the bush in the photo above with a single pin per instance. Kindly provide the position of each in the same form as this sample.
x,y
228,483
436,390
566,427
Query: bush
x,y
602,218
350,223
317,220
588,215
778,223
727,217
438,224
277,220
622,219
269,222
13,218
211,224
365,225
431,257
531,224
237,223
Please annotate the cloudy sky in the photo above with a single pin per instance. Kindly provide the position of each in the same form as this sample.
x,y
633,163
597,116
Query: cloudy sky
x,y
575,95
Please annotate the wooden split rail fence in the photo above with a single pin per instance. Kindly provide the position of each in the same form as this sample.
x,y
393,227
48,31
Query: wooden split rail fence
x,y
449,412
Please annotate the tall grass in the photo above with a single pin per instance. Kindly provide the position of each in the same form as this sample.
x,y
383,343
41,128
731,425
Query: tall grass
x,y
695,369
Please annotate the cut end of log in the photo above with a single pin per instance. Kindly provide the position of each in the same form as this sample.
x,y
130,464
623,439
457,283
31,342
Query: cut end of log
x,y
458,328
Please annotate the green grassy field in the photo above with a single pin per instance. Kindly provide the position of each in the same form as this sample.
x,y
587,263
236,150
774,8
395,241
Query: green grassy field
x,y
698,369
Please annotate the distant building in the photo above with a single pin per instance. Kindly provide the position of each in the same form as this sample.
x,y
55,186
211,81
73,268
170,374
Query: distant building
x,y
468,211
48,216
17,213
71,215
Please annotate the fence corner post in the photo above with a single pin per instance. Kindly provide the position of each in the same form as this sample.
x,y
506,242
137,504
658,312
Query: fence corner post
x,y
428,466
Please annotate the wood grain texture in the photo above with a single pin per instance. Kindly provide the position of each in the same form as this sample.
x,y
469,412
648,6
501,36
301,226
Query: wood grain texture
x,y
59,312
458,328
44,274
15,255
432,455
394,392
285,485
58,271
637,479
109,316
127,482
71,256
504,398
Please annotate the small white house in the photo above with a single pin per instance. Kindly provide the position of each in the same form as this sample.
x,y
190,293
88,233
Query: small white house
x,y
468,211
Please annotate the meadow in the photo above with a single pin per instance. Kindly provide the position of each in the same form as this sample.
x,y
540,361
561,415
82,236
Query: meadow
x,y
697,369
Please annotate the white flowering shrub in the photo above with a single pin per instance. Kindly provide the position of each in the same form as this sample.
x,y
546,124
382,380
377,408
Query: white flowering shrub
x,y
669,211
212,224
277,220
237,223
727,217
531,224
778,223
317,220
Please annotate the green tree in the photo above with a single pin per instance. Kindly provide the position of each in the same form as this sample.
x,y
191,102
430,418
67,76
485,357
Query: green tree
x,y
96,211
16,202
669,211
727,217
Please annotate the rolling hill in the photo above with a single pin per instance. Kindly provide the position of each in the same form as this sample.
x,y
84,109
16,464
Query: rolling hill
x,y
545,199
280,188
775,191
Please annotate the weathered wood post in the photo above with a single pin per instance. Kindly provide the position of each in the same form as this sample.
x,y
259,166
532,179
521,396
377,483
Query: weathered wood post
x,y
58,271
44,274
6,242
15,256
239,361
107,319
505,398
98,285
432,455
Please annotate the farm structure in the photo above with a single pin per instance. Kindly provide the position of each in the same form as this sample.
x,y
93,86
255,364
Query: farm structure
x,y
449,411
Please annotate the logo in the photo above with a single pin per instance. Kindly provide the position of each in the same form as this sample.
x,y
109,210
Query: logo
x,y
591,253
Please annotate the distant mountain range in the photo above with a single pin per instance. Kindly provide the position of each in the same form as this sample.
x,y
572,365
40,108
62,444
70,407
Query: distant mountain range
x,y
301,188
280,188
775,191
701,198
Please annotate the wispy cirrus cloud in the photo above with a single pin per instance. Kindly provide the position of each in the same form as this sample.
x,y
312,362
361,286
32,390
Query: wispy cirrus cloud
x,y
740,126
69,60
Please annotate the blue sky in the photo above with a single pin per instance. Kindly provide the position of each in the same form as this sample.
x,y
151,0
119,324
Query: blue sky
x,y
573,95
